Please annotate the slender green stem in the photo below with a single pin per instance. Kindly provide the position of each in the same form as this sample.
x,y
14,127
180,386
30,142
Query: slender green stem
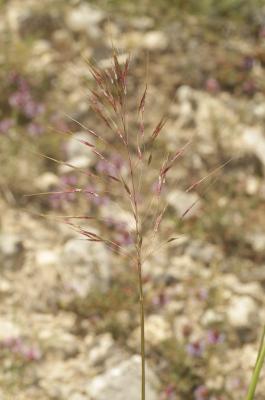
x,y
141,302
257,369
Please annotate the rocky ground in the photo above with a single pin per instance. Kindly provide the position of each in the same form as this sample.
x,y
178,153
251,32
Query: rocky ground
x,y
69,324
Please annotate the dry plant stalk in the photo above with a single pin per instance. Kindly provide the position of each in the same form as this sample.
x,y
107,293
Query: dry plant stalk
x,y
128,186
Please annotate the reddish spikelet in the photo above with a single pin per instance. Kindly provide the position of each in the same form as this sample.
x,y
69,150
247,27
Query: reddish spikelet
x,y
117,69
159,219
97,75
170,163
88,130
158,128
97,109
126,187
67,191
189,209
125,74
139,152
142,102
86,143
114,178
161,177
195,184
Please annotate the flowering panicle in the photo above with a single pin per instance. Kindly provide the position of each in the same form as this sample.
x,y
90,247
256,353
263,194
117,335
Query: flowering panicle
x,y
125,162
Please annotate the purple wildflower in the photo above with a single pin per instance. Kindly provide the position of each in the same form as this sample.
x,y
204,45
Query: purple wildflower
x,y
23,101
160,300
31,108
262,32
35,129
169,393
212,85
201,393
249,87
202,293
124,238
196,348
5,125
248,63
96,200
215,337
111,167
70,180
31,353
18,347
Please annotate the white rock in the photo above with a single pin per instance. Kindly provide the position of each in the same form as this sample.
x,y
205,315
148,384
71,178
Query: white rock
x,y
254,140
47,257
85,18
5,286
78,396
131,40
155,40
252,185
142,23
182,267
77,162
46,181
10,244
11,250
252,289
8,329
74,148
185,94
78,154
242,312
211,317
203,251
257,241
100,351
184,202
82,252
156,331
113,210
123,382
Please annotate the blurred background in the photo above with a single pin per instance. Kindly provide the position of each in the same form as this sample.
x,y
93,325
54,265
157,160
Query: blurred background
x,y
69,326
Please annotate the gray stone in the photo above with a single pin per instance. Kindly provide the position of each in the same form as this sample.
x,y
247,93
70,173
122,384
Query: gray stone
x,y
47,181
183,202
142,23
88,264
78,153
203,251
123,382
211,317
101,350
254,141
157,330
11,250
8,330
85,18
257,241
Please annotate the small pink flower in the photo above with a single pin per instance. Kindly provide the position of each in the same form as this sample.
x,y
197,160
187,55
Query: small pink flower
x,y
31,354
5,125
212,85
195,349
215,337
201,393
